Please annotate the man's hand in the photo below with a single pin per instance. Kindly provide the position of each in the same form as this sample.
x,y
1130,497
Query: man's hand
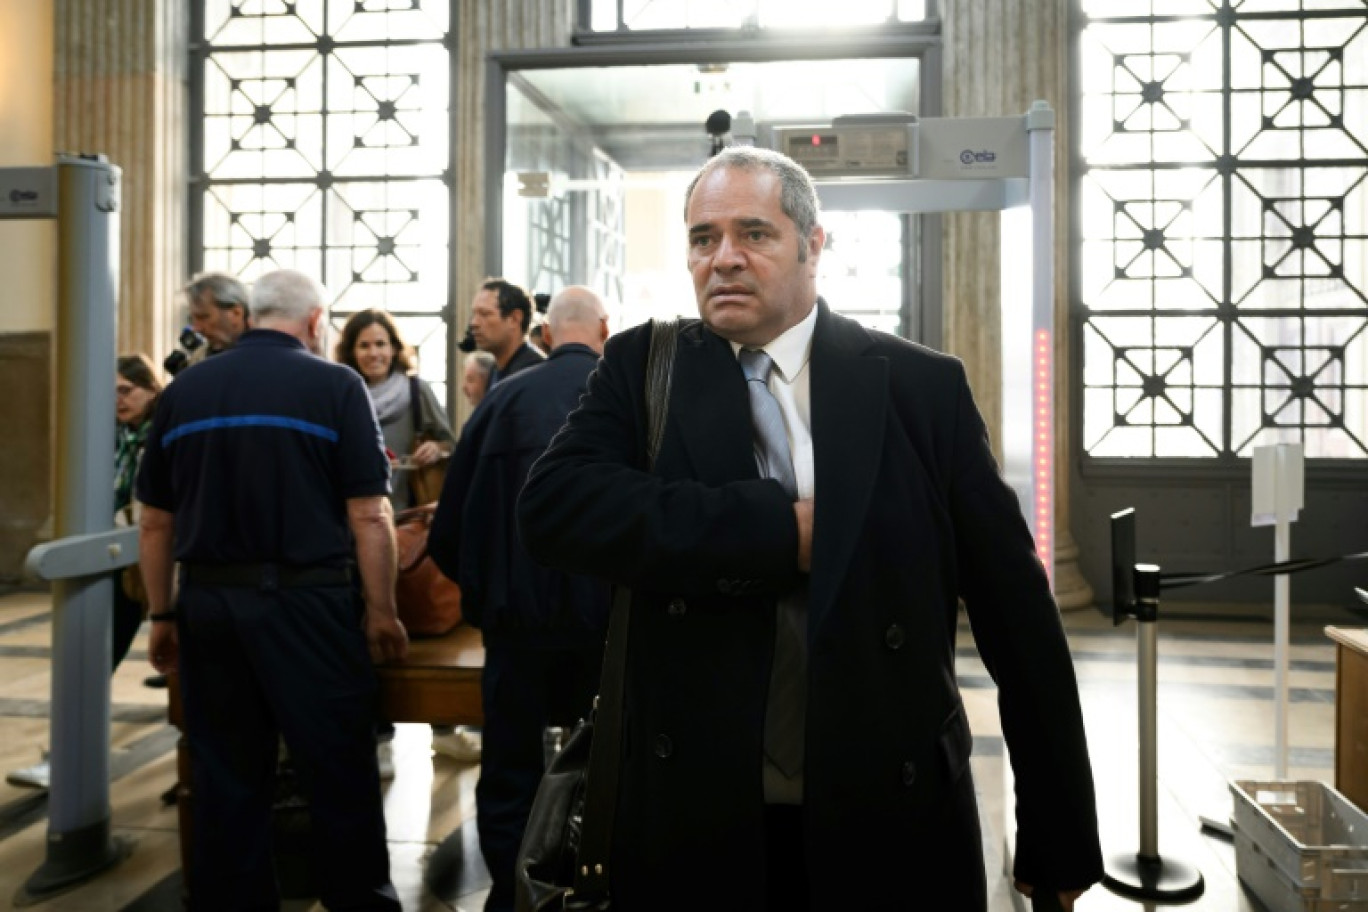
x,y
427,453
802,511
386,636
1066,897
163,646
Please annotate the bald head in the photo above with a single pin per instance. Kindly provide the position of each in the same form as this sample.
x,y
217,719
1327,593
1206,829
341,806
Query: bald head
x,y
576,315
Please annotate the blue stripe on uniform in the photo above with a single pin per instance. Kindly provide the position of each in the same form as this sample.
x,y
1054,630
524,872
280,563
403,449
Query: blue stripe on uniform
x,y
239,421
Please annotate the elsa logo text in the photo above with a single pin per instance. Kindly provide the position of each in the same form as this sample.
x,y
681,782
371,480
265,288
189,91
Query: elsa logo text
x,y
23,196
970,157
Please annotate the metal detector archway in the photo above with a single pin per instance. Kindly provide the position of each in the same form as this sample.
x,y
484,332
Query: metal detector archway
x,y
82,194
978,164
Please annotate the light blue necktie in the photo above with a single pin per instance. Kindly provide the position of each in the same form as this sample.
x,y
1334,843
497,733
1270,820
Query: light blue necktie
x,y
785,716
767,419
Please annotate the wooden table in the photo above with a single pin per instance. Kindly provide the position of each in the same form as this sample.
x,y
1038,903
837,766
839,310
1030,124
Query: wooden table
x,y
438,683
1351,713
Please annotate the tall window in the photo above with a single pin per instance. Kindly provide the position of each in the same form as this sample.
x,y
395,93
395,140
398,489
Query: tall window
x,y
1223,192
324,147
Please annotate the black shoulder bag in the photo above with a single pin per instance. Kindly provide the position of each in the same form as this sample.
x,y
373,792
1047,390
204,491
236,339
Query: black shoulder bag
x,y
563,862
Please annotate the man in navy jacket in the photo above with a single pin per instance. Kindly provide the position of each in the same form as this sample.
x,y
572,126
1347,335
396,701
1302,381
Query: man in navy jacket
x,y
543,629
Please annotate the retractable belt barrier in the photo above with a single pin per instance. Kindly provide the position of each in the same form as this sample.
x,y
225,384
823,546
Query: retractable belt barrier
x,y
1298,565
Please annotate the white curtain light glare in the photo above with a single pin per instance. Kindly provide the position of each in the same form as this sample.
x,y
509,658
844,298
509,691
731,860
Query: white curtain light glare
x,y
640,15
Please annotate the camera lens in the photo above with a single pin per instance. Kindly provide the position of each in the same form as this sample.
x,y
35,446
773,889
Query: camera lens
x,y
175,362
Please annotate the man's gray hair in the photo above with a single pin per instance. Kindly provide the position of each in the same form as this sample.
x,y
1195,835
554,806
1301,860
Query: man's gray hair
x,y
285,294
226,290
484,362
575,305
797,195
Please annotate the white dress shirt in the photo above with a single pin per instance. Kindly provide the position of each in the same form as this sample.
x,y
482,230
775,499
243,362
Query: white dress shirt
x,y
790,383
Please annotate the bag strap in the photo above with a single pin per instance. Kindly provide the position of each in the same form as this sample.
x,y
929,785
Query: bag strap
x,y
605,753
415,408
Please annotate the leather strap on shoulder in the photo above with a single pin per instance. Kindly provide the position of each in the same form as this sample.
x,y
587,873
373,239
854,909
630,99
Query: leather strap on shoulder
x,y
592,872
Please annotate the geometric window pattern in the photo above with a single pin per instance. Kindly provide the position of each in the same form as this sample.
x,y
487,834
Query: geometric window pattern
x,y
324,147
1223,267
571,230
606,255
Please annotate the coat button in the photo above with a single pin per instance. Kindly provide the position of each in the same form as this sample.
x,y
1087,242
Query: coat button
x,y
664,747
676,608
894,637
909,773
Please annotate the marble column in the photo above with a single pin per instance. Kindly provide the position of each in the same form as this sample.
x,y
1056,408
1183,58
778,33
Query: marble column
x,y
119,89
482,26
1000,55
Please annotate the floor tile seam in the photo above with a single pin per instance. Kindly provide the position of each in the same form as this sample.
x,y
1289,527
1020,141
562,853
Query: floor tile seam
x,y
1211,660
17,624
27,708
1312,638
1246,692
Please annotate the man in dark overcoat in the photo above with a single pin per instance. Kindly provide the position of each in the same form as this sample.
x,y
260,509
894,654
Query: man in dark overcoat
x,y
805,586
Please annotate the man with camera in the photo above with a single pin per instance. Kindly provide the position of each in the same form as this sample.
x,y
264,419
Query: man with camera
x,y
218,316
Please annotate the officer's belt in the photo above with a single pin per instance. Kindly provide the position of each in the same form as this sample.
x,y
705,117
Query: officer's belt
x,y
264,576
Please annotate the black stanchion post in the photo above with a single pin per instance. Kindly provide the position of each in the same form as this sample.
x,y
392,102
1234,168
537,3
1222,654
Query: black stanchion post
x,y
1146,875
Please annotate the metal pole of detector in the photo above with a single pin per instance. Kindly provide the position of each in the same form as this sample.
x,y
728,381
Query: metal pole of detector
x,y
1147,875
83,193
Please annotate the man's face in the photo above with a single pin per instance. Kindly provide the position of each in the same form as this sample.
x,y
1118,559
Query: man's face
x,y
220,326
494,332
474,383
744,257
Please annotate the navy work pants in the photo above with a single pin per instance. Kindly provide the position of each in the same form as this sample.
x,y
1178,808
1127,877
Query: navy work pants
x,y
524,691
254,666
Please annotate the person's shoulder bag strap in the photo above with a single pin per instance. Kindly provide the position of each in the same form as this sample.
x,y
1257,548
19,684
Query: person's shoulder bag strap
x,y
415,408
605,754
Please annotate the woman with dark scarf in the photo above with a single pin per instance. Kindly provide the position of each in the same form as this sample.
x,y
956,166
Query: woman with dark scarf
x,y
136,388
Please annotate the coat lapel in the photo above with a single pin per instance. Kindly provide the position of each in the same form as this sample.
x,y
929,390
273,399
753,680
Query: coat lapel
x,y
849,413
709,409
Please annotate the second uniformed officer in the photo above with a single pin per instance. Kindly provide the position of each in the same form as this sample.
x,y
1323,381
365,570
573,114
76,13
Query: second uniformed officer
x,y
263,467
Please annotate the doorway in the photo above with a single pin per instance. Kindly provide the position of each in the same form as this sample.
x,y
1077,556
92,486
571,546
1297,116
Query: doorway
x,y
598,149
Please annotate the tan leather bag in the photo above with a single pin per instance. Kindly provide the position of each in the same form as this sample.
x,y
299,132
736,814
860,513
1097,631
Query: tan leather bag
x,y
425,484
429,603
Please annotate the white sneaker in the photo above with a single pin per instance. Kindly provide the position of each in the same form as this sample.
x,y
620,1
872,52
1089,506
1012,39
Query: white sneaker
x,y
384,758
38,776
461,745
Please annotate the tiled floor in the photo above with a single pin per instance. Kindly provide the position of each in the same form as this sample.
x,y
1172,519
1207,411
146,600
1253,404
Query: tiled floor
x,y
1215,724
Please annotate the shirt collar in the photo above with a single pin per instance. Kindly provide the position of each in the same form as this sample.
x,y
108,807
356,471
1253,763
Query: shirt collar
x,y
268,337
791,349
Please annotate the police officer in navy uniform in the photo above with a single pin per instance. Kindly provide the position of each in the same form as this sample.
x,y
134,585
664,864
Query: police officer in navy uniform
x,y
264,473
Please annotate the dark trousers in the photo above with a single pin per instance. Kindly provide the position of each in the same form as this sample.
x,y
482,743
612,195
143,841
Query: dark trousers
x,y
254,667
524,691
786,872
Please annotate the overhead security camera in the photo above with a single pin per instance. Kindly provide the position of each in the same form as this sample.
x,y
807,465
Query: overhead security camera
x,y
718,126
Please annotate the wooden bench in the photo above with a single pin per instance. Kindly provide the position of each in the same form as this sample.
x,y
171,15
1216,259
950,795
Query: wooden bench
x,y
438,683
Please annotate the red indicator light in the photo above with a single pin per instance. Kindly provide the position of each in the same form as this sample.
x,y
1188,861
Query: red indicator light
x,y
816,139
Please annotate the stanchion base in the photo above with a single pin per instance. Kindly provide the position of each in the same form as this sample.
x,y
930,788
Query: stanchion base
x,y
67,870
1156,879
